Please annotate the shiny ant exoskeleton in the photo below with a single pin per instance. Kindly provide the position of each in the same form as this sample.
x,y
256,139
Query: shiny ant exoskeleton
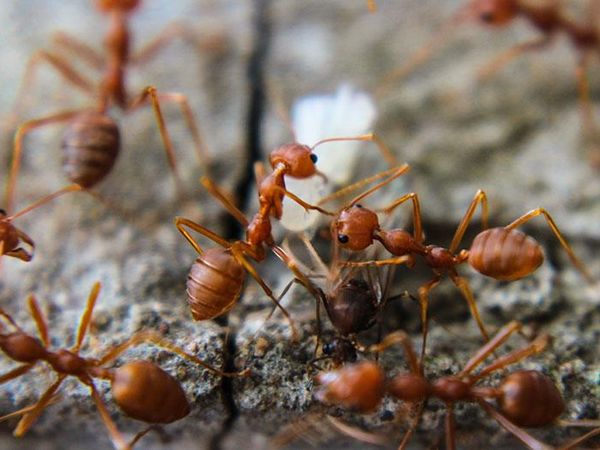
x,y
91,141
141,389
503,253
524,398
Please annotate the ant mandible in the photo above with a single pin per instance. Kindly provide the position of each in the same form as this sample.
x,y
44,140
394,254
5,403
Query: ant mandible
x,y
525,398
12,238
141,389
91,142
503,253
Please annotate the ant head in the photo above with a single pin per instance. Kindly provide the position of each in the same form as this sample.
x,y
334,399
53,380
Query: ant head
x,y
3,213
495,12
297,158
354,227
340,350
358,386
123,5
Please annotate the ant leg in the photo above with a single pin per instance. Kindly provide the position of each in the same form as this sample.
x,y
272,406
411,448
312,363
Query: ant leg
x,y
152,337
402,338
15,373
180,222
150,93
20,134
239,256
575,443
30,417
417,226
404,259
225,200
574,259
505,57
38,317
115,435
534,347
463,286
302,203
590,129
515,430
78,48
62,67
358,184
418,414
84,322
387,154
70,188
486,350
356,433
450,425
480,198
422,54
423,302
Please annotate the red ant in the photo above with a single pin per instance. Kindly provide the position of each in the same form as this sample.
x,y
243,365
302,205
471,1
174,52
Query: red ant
x,y
546,17
525,398
503,253
141,389
217,276
91,141
12,238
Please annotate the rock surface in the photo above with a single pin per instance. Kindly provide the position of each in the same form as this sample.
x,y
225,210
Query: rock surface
x,y
516,135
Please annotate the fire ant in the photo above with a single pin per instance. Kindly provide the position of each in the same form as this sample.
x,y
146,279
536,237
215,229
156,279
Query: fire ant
x,y
216,278
12,238
91,141
502,253
525,398
141,389
546,17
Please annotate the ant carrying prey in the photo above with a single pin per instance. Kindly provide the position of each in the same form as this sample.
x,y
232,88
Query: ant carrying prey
x,y
141,389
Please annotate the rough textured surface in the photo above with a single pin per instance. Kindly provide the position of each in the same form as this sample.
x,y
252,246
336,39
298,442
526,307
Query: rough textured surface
x,y
517,135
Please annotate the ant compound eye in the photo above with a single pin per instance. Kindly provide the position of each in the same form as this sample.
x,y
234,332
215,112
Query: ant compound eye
x,y
343,238
2,212
358,205
328,348
487,16
314,158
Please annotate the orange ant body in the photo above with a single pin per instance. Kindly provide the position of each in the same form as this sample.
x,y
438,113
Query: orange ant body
x,y
501,253
91,142
12,238
525,398
141,389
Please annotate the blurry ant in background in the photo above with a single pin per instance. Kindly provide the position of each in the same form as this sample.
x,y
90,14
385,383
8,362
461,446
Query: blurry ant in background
x,y
141,389
524,398
548,19
502,253
91,142
12,238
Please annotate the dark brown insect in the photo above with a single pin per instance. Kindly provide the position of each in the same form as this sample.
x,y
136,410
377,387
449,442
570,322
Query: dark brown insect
x,y
141,389
91,141
12,238
524,398
501,253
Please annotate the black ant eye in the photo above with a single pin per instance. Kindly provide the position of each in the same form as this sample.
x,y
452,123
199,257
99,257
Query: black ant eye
x,y
2,212
314,158
358,205
487,16
343,238
328,348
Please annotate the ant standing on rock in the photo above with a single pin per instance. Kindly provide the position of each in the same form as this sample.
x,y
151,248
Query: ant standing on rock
x,y
140,388
525,398
91,141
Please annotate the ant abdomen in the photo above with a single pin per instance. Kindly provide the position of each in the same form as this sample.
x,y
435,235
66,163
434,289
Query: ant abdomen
x,y
505,254
530,399
90,148
22,347
353,308
146,392
214,284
